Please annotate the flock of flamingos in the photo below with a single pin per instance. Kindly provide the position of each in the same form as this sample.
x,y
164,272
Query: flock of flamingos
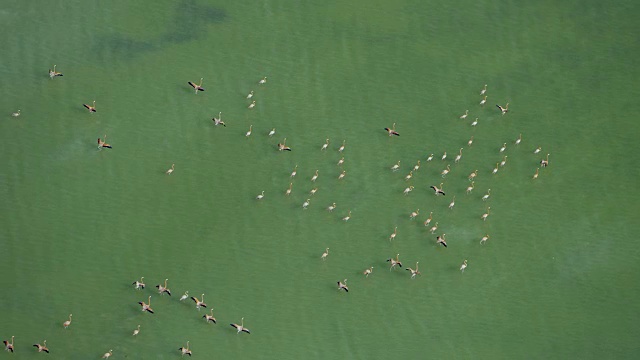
x,y
341,285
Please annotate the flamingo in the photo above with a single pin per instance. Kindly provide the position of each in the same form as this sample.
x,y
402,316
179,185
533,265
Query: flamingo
x,y
197,87
250,94
518,140
342,285
545,163
261,196
441,240
452,203
458,157
341,161
341,148
139,284
163,289
249,132
288,192
434,228
185,350
68,322
438,190
170,171
428,221
8,345
503,148
209,318
252,105
414,272
262,81
107,354
241,327
495,169
503,109
444,156
473,175
218,120
306,204
136,331
16,114
103,144
474,123
535,176
483,101
463,266
470,142
314,177
346,218
91,108
393,235
408,190
53,73
313,191
325,145
486,215
537,150
331,207
470,188
504,161
464,116
392,131
484,239
146,307
43,347
430,157
295,171
325,254
484,90
414,214
416,166
184,296
342,175
394,262
199,303
409,176
283,146
446,171
486,196
368,271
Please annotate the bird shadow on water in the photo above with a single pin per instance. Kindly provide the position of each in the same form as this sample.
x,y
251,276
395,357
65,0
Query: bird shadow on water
x,y
188,23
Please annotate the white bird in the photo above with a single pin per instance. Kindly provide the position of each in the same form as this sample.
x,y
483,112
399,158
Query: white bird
x,y
484,239
295,171
470,188
250,94
252,105
484,90
414,272
368,271
486,215
259,197
428,221
331,207
434,228
452,203
537,150
416,166
184,296
346,218
504,161
107,354
136,331
408,190
306,203
414,214
518,140
68,322
341,161
314,177
396,166
272,132
341,148
470,142
325,254
535,176
444,156
486,196
241,327
458,157
495,170
463,266
263,80
288,192
185,350
475,122
545,163
483,101
342,175
313,191
249,132
446,171
342,285
430,158
464,116
325,146
16,114
503,109
409,175
393,235
504,147
473,175
170,171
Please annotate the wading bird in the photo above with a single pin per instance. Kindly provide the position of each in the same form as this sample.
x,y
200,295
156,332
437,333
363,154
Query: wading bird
x,y
170,171
102,144
483,101
288,192
484,90
199,303
146,307
241,327
185,350
325,254
393,235
444,156
430,157
441,240
368,271
68,322
504,161
136,331
434,228
484,239
262,81
8,345
428,221
331,207
504,147
283,146
342,285
341,148
535,176
470,188
464,116
209,318
392,131
184,296
306,204
470,142
163,289
414,214
458,157
452,203
91,108
495,169
346,218
486,215
43,347
545,163
463,266
446,171
503,109
342,175
325,145
473,175
218,120
537,150
518,140
414,272
315,176
409,176
313,191
408,190
272,132
53,73
474,123
437,190
197,87
252,105
261,196
250,95
249,132
16,114
486,196
294,172
341,161
416,166
394,262
139,284
107,354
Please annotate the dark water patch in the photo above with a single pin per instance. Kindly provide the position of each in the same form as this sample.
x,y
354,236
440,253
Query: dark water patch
x,y
121,47
190,21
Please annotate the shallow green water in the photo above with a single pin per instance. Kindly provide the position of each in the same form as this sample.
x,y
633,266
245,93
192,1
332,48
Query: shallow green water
x,y
557,278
